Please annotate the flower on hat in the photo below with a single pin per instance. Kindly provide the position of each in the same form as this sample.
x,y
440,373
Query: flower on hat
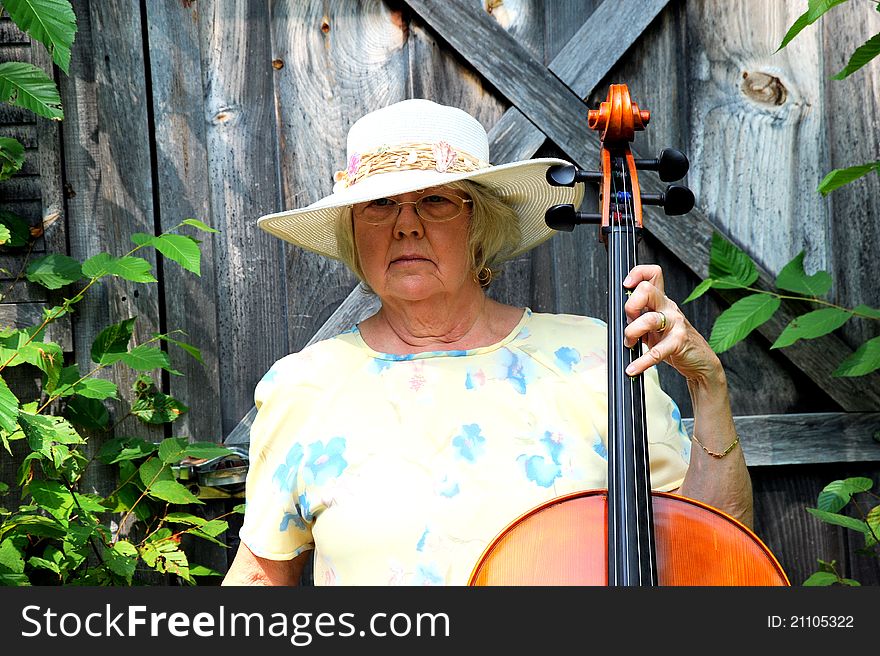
x,y
444,156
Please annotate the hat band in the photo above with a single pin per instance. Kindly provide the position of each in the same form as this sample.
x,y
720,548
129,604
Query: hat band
x,y
440,157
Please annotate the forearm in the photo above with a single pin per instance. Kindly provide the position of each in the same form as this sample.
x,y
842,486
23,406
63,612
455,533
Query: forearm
x,y
721,482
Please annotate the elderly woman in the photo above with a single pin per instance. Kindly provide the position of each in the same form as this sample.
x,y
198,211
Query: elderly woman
x,y
398,450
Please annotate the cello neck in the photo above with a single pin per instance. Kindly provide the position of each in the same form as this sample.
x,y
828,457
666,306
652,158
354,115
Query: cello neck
x,y
631,550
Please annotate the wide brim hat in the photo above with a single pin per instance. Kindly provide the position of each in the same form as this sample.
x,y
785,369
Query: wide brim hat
x,y
417,144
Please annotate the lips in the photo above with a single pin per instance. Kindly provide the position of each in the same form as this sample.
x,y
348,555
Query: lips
x,y
409,258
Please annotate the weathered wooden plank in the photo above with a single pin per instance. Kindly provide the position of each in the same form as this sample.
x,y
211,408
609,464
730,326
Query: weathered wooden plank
x,y
688,236
242,160
852,114
25,133
125,204
510,68
183,191
320,90
9,32
808,438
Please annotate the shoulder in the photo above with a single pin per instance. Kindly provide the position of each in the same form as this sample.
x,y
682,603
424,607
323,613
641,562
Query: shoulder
x,y
571,329
316,365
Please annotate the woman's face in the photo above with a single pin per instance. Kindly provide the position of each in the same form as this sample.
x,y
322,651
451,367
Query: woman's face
x,y
411,259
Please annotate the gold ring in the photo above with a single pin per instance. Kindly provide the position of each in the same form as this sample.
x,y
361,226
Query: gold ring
x,y
662,326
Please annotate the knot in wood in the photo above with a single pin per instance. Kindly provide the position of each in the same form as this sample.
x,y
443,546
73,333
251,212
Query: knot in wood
x,y
764,88
325,25
277,64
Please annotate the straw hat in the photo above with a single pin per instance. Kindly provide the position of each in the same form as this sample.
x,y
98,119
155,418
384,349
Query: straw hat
x,y
412,145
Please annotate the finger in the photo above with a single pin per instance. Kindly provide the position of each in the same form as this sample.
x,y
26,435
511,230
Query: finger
x,y
646,296
649,322
652,357
649,272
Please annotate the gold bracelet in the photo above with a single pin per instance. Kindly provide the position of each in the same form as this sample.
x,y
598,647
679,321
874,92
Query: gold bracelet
x,y
712,453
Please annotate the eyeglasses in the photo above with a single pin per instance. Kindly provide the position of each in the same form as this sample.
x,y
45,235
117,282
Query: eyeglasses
x,y
436,208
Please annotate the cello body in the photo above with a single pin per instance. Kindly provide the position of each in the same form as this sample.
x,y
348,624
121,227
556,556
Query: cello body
x,y
565,542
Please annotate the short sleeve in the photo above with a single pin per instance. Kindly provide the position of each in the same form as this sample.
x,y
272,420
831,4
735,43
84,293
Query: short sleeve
x,y
274,526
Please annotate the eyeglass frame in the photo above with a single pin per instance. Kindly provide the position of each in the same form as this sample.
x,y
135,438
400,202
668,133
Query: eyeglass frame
x,y
415,204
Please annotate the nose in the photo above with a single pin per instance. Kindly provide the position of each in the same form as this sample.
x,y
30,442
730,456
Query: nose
x,y
408,222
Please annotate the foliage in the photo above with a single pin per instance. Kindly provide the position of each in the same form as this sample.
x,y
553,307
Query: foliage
x,y
862,55
53,24
731,268
57,532
834,498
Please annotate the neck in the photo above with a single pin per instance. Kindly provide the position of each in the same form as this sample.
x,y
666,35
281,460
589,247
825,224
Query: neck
x,y
463,321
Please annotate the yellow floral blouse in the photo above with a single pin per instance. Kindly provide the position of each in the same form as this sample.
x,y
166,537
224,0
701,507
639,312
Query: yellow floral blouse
x,y
401,469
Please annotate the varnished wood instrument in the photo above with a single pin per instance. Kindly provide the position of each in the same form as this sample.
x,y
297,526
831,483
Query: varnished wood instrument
x,y
627,534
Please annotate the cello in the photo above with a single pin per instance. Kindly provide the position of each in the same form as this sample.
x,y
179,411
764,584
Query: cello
x,y
627,534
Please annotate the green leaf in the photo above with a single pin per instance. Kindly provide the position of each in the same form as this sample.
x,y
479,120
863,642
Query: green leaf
x,y
52,497
144,358
153,471
182,249
122,559
32,525
142,238
51,22
729,265
19,229
96,388
840,520
866,311
96,266
11,557
5,235
45,431
839,177
54,271
821,579
207,450
865,360
112,342
863,54
172,450
157,408
736,322
11,160
811,325
837,494
201,570
189,348
199,224
87,412
699,290
125,448
136,269
815,10
173,492
9,408
794,279
25,85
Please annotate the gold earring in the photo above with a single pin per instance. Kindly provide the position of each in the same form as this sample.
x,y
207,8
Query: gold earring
x,y
483,277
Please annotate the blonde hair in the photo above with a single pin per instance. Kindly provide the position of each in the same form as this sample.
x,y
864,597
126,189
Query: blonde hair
x,y
493,232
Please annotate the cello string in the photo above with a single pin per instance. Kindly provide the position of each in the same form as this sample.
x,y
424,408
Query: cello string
x,y
628,252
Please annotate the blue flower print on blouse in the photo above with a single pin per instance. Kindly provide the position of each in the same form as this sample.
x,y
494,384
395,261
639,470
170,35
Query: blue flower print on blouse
x,y
567,357
515,368
302,515
428,576
326,462
600,448
469,443
285,475
538,468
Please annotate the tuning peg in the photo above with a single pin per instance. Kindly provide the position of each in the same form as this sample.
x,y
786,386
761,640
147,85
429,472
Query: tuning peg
x,y
677,199
672,164
564,217
565,175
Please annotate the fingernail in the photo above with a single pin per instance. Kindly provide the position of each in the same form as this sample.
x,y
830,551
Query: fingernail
x,y
630,370
627,281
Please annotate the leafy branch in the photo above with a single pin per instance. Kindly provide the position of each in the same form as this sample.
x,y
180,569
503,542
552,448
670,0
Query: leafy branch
x,y
731,268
